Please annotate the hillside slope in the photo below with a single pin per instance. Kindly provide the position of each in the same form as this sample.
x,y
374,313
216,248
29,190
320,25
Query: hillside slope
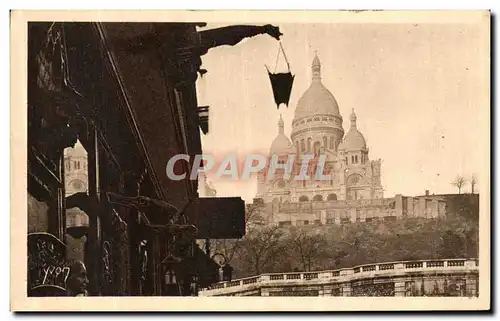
x,y
271,249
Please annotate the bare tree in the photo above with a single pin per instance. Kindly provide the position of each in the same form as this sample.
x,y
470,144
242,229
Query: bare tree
x,y
459,182
254,216
473,182
307,247
227,247
260,248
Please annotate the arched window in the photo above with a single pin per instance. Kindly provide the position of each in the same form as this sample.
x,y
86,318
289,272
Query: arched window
x,y
302,145
325,142
317,198
303,198
331,197
352,159
356,158
332,143
309,143
346,160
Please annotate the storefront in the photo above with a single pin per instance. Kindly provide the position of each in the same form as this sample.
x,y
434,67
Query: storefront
x,y
126,92
79,92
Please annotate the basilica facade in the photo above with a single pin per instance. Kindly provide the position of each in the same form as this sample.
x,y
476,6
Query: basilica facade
x,y
352,190
318,129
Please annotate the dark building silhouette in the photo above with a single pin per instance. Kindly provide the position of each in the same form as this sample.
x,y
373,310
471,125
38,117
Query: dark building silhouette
x,y
132,105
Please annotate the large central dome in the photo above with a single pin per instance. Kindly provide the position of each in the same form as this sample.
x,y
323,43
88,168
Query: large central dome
x,y
317,100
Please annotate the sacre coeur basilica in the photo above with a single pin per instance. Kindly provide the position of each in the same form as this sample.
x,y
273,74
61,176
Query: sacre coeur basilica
x,y
353,191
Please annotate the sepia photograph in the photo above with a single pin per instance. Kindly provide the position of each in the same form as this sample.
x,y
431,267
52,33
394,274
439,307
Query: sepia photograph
x,y
337,156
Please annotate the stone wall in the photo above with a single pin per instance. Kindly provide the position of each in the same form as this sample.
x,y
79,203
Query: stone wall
x,y
342,212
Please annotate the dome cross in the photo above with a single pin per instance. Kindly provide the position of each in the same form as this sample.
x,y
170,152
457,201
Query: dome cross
x,y
353,119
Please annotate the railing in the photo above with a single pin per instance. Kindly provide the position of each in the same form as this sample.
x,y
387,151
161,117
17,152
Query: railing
x,y
456,263
414,265
310,276
275,277
234,283
385,269
250,281
369,268
218,286
431,264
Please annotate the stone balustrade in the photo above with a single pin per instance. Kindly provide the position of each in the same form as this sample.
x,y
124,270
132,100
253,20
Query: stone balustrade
x,y
399,272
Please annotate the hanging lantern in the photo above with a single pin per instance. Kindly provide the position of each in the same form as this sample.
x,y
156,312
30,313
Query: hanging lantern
x,y
281,82
170,277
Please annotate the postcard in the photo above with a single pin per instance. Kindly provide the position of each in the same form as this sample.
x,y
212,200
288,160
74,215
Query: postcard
x,y
311,160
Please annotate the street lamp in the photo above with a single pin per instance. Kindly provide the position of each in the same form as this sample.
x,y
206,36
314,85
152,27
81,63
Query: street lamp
x,y
171,284
170,277
219,258
225,270
194,285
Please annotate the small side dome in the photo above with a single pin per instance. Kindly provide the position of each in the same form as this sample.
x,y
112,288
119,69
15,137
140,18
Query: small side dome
x,y
353,140
281,144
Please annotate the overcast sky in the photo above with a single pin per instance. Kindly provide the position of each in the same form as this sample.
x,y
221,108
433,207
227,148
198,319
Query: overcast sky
x,y
418,92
